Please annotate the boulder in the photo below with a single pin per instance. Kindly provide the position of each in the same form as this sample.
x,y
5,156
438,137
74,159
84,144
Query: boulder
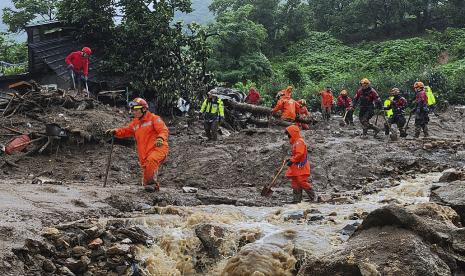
x,y
452,195
118,249
450,175
212,238
394,240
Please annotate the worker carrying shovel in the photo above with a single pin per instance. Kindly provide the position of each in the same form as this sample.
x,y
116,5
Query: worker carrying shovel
x,y
151,136
299,165
78,64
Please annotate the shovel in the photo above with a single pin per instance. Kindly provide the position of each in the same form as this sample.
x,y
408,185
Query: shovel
x,y
266,191
109,161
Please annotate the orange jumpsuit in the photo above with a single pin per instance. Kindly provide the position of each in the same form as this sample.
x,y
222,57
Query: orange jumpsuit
x,y
299,171
146,131
287,105
303,113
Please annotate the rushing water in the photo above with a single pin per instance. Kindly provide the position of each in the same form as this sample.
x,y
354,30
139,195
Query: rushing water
x,y
273,234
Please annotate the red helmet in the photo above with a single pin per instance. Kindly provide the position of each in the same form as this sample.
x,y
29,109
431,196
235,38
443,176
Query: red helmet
x,y
418,84
87,51
138,103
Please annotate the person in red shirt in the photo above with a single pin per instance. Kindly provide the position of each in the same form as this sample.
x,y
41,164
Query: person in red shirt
x,y
253,97
78,64
287,105
299,165
421,109
345,103
327,99
303,112
151,136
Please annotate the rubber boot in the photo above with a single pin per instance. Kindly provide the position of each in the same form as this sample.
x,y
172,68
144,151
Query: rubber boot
x,y
311,194
365,131
417,131
375,130
386,129
297,193
403,133
425,131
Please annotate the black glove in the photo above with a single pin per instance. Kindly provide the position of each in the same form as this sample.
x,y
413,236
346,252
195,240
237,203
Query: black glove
x,y
289,162
200,116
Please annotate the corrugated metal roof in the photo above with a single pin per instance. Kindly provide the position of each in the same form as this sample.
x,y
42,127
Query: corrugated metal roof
x,y
54,51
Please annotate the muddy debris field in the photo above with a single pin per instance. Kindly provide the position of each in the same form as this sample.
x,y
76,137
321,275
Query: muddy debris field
x,y
209,218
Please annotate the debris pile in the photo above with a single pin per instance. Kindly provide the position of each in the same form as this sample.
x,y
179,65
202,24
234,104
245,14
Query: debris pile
x,y
85,248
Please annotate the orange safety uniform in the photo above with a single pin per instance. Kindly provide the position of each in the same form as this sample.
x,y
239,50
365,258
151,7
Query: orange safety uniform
x,y
299,171
146,130
287,105
303,113
327,98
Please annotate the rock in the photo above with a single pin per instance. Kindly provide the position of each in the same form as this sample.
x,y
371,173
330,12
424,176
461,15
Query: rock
x,y
324,198
452,195
93,232
189,190
427,146
349,229
76,266
48,266
458,240
315,218
450,175
96,243
50,233
79,251
394,240
65,271
212,238
332,214
293,215
136,235
126,241
118,249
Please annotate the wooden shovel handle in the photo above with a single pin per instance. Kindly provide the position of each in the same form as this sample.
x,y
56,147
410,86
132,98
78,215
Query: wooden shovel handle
x,y
277,174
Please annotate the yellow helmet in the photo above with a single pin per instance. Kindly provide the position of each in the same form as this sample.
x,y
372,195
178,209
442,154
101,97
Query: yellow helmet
x,y
302,102
419,84
343,92
365,81
395,91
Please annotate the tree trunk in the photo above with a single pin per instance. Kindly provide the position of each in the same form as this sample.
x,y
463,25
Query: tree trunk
x,y
262,110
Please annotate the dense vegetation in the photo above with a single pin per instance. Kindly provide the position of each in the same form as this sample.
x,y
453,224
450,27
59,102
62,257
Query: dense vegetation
x,y
270,43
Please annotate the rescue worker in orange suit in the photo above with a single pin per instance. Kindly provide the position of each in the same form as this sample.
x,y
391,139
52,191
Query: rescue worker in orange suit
x,y
344,102
151,135
253,97
299,165
368,99
303,113
78,64
287,105
421,109
327,100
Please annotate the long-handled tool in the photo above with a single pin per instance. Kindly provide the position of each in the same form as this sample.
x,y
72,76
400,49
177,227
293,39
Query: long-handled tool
x,y
408,121
87,90
109,161
392,133
74,82
266,191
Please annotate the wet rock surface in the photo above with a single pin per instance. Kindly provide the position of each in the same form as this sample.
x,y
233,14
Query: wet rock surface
x,y
395,240
72,249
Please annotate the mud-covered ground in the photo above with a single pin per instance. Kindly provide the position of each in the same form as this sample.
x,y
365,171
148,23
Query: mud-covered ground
x,y
230,171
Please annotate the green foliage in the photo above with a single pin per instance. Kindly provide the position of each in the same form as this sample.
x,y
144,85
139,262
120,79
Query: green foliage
x,y
94,28
26,11
15,53
236,48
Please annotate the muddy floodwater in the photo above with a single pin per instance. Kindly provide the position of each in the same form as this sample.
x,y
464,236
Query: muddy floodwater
x,y
273,232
